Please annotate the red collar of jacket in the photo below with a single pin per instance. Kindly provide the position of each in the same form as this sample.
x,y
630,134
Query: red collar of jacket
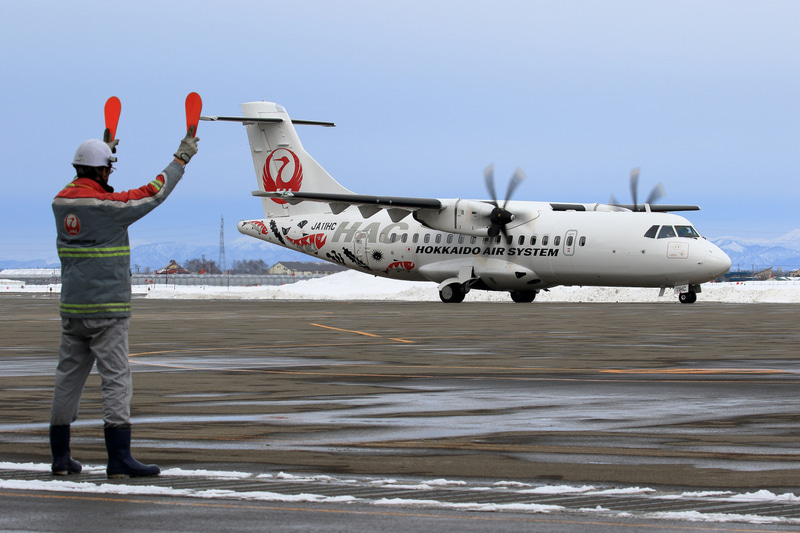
x,y
88,183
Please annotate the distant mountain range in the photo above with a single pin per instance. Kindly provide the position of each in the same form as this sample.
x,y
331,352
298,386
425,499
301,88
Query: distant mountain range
x,y
240,249
158,255
758,254
745,254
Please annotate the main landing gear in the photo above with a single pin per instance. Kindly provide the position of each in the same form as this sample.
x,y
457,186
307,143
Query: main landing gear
x,y
453,293
523,297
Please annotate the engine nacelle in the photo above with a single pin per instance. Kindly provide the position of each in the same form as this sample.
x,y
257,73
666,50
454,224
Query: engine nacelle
x,y
467,217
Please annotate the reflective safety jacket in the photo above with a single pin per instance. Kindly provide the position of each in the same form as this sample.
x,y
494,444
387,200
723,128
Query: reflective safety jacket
x,y
93,245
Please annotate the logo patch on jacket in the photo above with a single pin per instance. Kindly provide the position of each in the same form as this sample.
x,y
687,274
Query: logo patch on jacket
x,y
71,224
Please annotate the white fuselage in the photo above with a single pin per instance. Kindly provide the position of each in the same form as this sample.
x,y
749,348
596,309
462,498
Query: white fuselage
x,y
543,248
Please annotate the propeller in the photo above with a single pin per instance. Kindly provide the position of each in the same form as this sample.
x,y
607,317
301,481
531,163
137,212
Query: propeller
x,y
500,216
656,194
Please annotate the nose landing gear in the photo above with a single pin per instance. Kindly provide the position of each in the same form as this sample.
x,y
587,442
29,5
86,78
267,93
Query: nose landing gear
x,y
688,297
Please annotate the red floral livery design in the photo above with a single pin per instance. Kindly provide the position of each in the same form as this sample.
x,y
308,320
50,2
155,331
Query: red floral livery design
x,y
401,266
288,165
72,224
313,242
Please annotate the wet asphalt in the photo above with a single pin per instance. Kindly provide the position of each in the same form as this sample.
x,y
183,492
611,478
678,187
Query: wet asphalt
x,y
697,396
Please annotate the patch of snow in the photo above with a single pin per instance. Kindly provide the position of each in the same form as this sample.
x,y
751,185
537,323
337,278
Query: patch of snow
x,y
352,285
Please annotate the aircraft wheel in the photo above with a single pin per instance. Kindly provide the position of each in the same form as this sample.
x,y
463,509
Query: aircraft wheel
x,y
687,297
523,297
453,293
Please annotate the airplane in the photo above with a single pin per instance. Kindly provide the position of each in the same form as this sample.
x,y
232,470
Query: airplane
x,y
522,247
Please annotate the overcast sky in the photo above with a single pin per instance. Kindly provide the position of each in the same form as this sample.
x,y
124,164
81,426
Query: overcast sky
x,y
703,95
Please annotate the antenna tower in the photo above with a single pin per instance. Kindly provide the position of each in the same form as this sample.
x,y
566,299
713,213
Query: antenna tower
x,y
222,244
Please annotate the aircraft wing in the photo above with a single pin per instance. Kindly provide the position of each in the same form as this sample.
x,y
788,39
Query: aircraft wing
x,y
654,208
398,207
659,208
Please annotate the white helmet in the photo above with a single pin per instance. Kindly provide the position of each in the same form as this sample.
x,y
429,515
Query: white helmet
x,y
93,153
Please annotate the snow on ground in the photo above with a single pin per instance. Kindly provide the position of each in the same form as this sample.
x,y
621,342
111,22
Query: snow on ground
x,y
423,491
352,285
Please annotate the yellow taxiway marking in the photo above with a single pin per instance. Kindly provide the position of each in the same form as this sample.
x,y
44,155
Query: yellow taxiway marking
x,y
356,332
693,371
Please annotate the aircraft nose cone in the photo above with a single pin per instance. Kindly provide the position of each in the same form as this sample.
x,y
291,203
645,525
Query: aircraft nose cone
x,y
717,261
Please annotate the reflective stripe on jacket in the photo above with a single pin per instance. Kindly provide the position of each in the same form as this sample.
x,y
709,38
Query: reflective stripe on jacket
x,y
92,226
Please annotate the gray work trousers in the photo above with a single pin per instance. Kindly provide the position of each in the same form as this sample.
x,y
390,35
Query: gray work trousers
x,y
85,341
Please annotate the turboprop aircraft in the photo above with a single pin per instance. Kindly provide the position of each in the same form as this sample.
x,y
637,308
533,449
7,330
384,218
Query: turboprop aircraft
x,y
521,247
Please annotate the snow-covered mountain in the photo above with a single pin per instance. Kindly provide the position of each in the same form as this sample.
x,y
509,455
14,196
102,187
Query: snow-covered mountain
x,y
758,254
242,248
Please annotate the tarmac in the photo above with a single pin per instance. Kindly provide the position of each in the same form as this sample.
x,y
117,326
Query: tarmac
x,y
680,397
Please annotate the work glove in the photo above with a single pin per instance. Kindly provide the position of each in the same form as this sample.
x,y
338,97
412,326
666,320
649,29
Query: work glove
x,y
111,144
188,146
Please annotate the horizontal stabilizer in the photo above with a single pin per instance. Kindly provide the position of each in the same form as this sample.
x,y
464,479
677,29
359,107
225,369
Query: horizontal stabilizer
x,y
215,118
354,199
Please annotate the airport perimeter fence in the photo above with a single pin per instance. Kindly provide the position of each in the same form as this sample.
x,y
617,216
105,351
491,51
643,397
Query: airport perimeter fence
x,y
171,280
217,280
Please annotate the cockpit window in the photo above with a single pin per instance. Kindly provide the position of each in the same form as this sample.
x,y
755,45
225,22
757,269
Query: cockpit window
x,y
651,233
666,232
687,231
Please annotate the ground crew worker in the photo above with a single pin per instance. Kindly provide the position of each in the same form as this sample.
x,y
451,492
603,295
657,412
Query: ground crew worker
x,y
92,224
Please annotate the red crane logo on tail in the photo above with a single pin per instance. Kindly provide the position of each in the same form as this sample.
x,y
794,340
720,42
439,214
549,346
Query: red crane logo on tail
x,y
280,164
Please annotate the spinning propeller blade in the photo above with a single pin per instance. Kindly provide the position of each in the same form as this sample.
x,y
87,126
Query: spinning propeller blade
x,y
635,187
656,194
500,216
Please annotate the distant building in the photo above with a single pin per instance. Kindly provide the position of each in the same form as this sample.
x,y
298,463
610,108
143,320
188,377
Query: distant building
x,y
764,274
305,268
172,268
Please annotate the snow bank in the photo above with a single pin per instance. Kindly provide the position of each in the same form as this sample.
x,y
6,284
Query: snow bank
x,y
352,285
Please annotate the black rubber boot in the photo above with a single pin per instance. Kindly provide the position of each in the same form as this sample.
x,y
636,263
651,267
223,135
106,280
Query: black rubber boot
x,y
63,464
120,461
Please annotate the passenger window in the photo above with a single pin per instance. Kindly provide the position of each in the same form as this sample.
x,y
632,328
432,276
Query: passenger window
x,y
509,240
461,239
582,241
570,240
404,237
556,240
415,238
427,237
687,231
473,239
651,233
533,240
449,238
393,238
438,238
545,239
666,232
521,240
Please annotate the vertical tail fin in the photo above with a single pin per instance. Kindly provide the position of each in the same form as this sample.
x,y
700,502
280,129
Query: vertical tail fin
x,y
280,161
